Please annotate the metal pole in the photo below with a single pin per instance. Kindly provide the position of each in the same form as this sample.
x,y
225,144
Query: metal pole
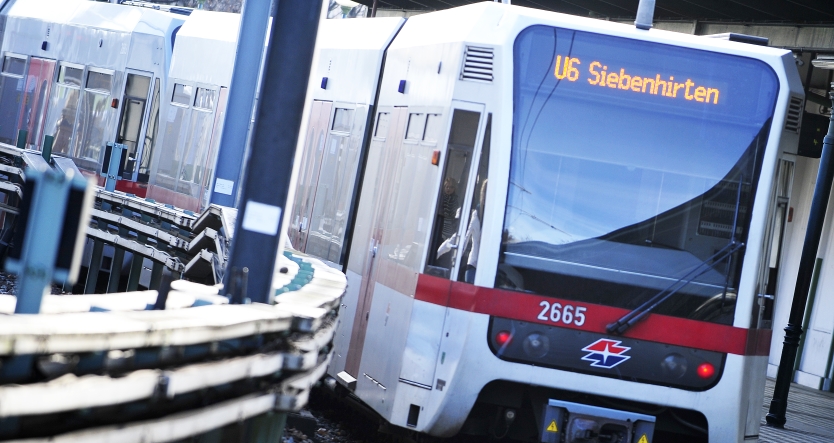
x,y
373,9
250,47
793,331
277,124
645,15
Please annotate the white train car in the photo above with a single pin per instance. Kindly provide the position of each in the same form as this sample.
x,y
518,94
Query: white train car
x,y
344,86
181,169
603,287
78,74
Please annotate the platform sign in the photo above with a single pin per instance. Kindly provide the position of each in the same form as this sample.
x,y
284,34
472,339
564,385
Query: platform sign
x,y
49,234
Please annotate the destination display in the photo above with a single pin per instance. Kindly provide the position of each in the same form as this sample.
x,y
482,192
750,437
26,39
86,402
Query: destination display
x,y
598,74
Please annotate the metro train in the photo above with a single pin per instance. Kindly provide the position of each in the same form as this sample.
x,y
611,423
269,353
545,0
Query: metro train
x,y
77,74
554,228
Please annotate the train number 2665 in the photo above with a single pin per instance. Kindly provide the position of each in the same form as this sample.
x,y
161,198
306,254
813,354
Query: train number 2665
x,y
568,314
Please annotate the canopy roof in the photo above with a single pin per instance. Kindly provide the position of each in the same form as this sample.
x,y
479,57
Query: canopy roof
x,y
793,11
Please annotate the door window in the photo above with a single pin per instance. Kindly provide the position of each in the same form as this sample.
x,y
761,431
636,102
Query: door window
x,y
95,116
35,100
63,107
11,95
459,151
472,235
150,136
133,112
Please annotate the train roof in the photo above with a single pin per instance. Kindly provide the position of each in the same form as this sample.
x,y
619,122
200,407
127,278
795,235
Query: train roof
x,y
492,22
206,47
358,33
97,15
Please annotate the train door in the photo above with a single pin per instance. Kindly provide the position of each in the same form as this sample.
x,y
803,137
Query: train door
x,y
310,165
36,99
455,235
11,96
395,122
460,174
768,280
132,123
210,161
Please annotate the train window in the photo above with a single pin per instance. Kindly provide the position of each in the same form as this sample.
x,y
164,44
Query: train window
x,y
133,112
382,122
137,86
342,119
617,220
182,94
472,234
61,120
69,75
434,125
99,80
39,80
94,118
14,65
445,238
416,126
150,136
204,98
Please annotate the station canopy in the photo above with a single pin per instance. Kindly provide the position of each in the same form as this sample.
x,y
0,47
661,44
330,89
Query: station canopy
x,y
775,11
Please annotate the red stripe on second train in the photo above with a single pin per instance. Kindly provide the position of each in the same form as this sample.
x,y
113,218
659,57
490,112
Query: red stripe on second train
x,y
655,327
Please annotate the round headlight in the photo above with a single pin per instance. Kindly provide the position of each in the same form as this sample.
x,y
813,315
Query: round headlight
x,y
536,345
674,365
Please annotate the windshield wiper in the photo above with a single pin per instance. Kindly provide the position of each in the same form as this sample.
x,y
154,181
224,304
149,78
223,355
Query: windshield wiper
x,y
627,321
640,312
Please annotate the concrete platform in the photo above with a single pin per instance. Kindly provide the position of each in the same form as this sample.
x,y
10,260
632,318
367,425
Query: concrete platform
x,y
810,417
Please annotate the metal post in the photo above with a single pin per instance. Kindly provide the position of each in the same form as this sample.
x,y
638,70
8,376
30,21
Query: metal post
x,y
135,272
793,331
111,175
116,270
250,47
278,121
645,14
22,135
156,275
373,9
265,427
46,150
95,267
43,236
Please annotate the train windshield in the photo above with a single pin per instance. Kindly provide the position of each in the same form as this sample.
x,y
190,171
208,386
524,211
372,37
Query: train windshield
x,y
634,167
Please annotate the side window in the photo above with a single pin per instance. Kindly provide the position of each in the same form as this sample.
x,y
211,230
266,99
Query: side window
x,y
205,99
182,94
11,93
63,108
472,236
133,111
94,117
150,136
459,150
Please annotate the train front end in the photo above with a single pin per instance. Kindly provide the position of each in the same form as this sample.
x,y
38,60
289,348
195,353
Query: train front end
x,y
610,291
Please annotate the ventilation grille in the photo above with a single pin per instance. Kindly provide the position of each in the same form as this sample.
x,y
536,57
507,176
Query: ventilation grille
x,y
477,64
794,115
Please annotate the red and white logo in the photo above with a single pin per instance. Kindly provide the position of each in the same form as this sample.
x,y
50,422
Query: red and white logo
x,y
605,353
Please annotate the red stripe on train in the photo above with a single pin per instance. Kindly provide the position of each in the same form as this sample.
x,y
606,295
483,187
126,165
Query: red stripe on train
x,y
655,327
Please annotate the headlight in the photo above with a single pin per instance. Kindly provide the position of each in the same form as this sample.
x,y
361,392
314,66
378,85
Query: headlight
x,y
674,365
536,345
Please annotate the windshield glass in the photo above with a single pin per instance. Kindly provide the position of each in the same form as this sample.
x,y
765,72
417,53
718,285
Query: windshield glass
x,y
634,165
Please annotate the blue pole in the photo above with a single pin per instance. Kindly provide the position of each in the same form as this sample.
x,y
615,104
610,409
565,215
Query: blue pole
x,y
250,46
267,179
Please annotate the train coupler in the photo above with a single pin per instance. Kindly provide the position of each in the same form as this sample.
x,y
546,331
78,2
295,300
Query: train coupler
x,y
566,422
